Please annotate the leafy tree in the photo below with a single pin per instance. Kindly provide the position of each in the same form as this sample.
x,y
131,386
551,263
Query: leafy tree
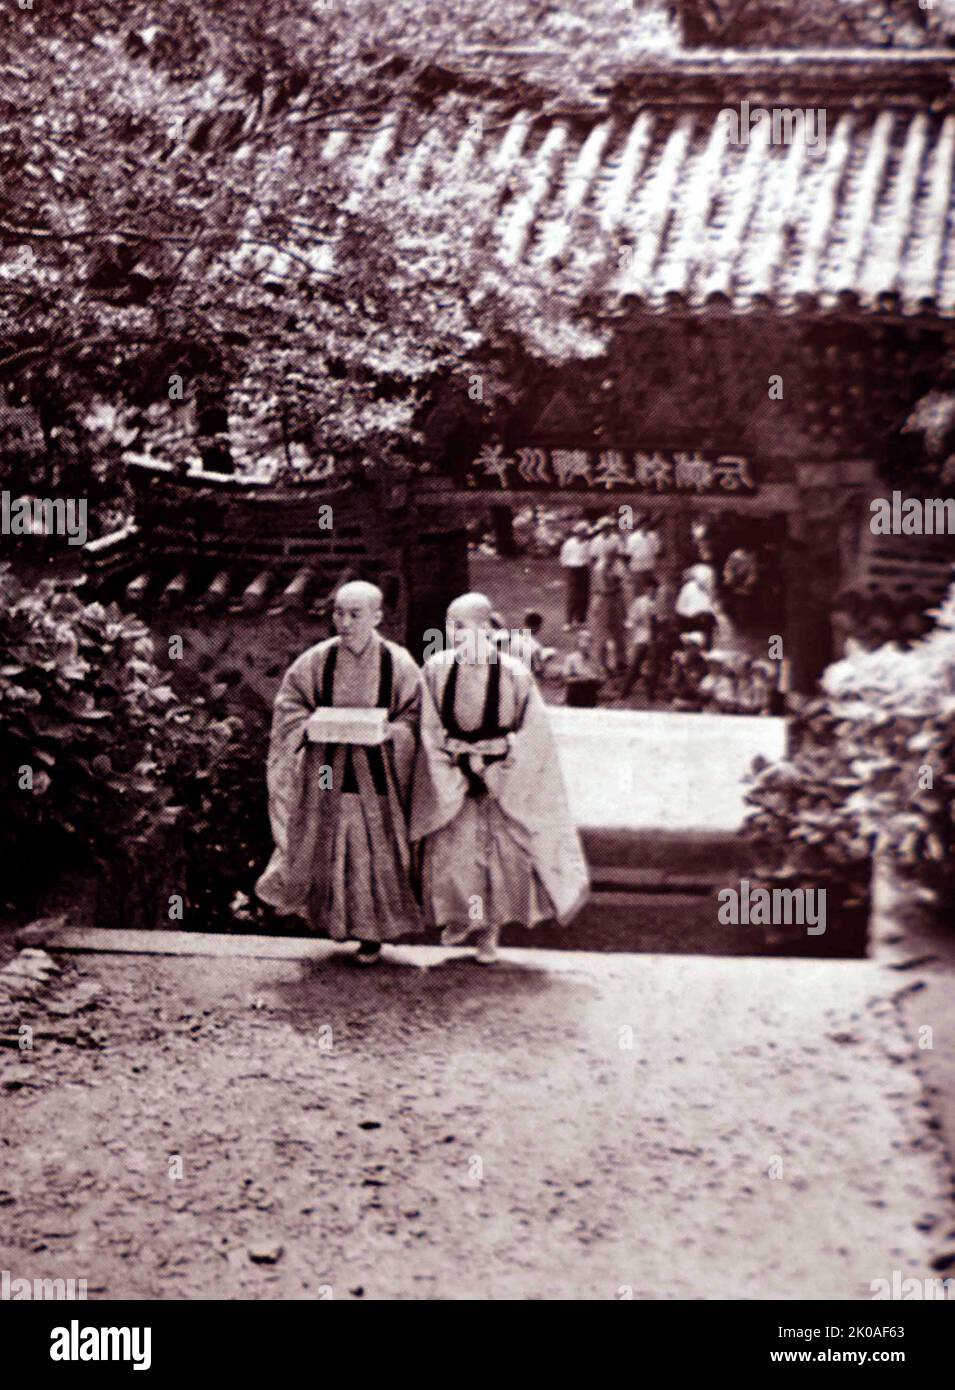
x,y
815,23
169,213
181,266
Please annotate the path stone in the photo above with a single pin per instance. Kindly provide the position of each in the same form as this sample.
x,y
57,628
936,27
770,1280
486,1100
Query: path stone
x,y
39,932
566,1126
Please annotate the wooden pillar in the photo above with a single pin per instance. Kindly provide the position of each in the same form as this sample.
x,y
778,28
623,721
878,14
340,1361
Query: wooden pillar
x,y
669,562
804,630
820,558
435,567
811,579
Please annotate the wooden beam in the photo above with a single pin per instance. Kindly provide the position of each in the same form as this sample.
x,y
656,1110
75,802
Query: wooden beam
x,y
771,499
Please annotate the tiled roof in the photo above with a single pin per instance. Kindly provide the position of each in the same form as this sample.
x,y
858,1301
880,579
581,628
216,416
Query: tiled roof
x,y
863,218
221,543
118,561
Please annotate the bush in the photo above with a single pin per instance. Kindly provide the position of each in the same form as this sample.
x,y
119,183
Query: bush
x,y
873,768
226,828
100,760
80,701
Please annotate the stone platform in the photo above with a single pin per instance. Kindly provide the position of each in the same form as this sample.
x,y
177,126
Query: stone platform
x,y
657,770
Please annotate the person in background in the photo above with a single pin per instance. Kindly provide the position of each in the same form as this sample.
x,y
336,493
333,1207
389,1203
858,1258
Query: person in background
x,y
696,606
597,545
640,621
642,548
526,647
688,671
607,583
582,675
665,640
575,562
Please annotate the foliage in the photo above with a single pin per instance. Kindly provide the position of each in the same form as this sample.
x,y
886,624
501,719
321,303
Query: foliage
x,y
168,210
873,767
925,448
815,23
80,700
226,833
118,761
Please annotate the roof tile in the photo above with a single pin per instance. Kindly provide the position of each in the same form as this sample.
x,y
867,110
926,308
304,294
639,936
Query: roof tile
x,y
861,218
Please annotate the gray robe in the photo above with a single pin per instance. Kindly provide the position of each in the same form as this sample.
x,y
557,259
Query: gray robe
x,y
342,857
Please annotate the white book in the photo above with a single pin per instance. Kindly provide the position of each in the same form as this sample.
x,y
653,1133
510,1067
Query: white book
x,y
343,724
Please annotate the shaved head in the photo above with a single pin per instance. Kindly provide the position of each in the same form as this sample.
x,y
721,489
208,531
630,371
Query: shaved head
x,y
356,613
469,623
360,591
471,610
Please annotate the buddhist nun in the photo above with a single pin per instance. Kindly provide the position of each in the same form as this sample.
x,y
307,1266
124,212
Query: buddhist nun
x,y
489,805
339,783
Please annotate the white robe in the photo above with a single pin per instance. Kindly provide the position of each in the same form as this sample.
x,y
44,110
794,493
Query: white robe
x,y
513,854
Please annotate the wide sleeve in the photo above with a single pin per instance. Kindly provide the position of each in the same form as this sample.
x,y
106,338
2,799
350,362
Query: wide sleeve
x,y
439,784
404,717
295,702
529,788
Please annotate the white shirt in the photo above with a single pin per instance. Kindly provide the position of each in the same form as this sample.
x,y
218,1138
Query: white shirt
x,y
693,600
638,619
597,547
573,553
642,549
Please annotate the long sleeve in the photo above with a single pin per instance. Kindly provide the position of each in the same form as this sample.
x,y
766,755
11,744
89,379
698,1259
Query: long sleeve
x,y
294,703
439,784
529,787
404,717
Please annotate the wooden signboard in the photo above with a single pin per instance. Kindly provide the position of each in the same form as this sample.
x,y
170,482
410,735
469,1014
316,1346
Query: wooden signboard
x,y
660,472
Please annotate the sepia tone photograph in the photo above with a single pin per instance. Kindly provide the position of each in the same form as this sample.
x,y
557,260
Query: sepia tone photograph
x,y
477,659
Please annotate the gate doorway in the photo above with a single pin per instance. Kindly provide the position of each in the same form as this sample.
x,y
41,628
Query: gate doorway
x,y
677,609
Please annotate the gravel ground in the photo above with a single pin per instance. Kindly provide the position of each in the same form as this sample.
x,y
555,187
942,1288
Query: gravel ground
x,y
427,1129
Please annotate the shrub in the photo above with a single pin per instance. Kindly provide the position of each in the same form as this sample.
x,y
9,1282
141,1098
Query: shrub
x,y
100,759
225,823
873,767
79,699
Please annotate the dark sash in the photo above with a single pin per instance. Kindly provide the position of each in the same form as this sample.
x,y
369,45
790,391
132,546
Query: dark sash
x,y
369,772
489,727
375,759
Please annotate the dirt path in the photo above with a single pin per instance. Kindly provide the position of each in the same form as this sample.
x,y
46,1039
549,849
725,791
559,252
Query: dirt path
x,y
445,1132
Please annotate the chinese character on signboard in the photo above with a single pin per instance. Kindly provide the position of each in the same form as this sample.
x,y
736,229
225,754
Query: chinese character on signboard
x,y
660,471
